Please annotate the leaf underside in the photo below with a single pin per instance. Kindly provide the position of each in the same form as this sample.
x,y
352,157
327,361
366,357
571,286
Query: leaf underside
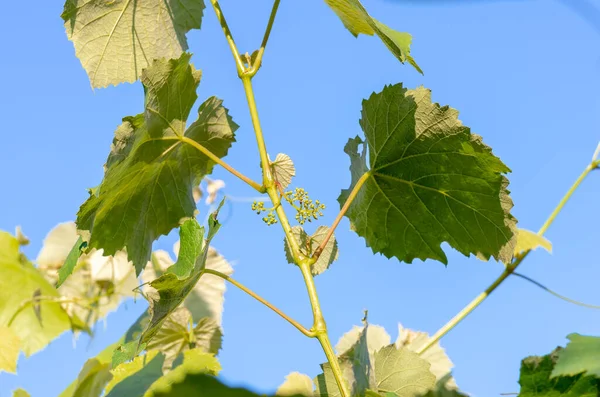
x,y
150,173
116,40
429,180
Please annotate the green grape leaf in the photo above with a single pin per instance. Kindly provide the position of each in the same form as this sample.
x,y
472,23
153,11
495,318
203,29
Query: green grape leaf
x,y
377,338
402,372
177,335
116,40
135,378
441,366
308,245
207,297
535,380
126,352
10,347
92,379
428,181
582,355
296,384
170,290
283,170
357,20
70,261
195,362
19,280
151,173
528,240
191,247
20,393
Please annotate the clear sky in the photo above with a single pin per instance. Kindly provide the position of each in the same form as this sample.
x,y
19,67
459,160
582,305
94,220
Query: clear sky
x,y
523,74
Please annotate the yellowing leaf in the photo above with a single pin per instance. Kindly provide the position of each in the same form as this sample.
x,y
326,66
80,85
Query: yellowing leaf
x,y
116,39
10,347
528,240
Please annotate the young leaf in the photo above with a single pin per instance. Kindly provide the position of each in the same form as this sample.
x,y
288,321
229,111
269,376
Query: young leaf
x,y
357,20
20,393
19,280
150,176
115,40
10,347
528,240
377,338
296,384
326,385
70,262
92,379
402,372
283,170
126,352
428,181
582,355
177,335
308,245
171,290
536,381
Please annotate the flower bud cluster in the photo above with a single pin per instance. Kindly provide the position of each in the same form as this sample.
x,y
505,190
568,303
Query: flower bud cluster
x,y
269,219
306,209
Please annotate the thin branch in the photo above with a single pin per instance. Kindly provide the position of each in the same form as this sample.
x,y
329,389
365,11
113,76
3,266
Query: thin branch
x,y
341,214
236,54
565,298
258,61
217,160
52,299
298,326
509,269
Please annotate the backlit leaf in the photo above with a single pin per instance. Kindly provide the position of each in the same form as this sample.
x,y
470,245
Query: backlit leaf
x,y
325,383
582,355
296,384
357,20
528,240
134,378
148,185
283,170
70,262
308,245
535,380
428,180
92,379
115,40
20,393
19,280
402,372
10,347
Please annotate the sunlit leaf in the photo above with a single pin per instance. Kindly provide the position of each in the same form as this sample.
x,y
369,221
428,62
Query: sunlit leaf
x,y
19,280
148,185
428,180
357,20
528,240
582,355
20,393
10,347
402,372
92,379
535,380
296,384
70,262
135,378
308,245
115,40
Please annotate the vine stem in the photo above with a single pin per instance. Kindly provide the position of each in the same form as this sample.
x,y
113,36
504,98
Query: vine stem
x,y
513,266
319,328
258,61
248,291
341,214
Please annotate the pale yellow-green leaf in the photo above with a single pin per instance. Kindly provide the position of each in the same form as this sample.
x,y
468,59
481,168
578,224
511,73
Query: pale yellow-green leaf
x,y
308,245
283,170
296,384
10,347
528,240
19,281
115,40
402,372
20,393
377,338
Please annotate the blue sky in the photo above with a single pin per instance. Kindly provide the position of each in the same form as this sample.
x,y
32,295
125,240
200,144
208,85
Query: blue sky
x,y
523,74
